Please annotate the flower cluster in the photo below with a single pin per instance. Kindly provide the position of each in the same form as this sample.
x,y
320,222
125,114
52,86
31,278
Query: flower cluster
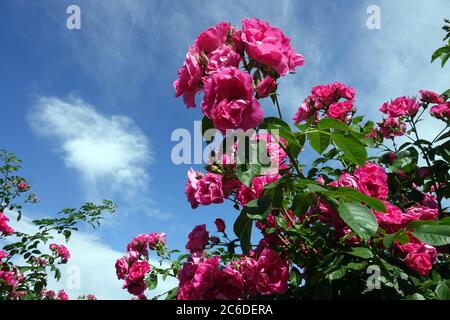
x,y
372,181
231,94
263,272
52,295
334,100
405,108
222,182
60,251
133,267
5,229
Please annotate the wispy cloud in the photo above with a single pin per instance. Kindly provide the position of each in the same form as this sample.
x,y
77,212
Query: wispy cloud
x,y
110,153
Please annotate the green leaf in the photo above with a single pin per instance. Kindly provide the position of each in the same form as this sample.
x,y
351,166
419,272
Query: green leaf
x,y
274,123
353,194
415,296
431,232
360,252
330,123
359,218
246,172
243,230
319,140
352,147
152,282
258,209
442,291
206,125
338,274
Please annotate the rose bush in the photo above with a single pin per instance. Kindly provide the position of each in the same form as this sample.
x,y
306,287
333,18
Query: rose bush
x,y
26,260
322,224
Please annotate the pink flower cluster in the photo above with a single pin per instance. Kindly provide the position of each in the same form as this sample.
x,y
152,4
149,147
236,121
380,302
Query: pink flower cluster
x,y
5,229
441,109
334,100
203,278
209,188
133,267
61,252
212,66
52,295
372,181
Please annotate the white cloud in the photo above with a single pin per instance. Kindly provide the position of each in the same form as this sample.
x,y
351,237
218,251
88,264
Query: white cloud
x,y
107,151
93,261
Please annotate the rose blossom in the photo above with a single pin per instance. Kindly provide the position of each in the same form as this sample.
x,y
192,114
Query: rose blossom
x,y
340,110
372,180
247,267
246,194
265,87
400,106
272,273
213,37
121,268
192,186
5,229
229,100
391,220
223,56
419,213
419,256
346,180
305,111
430,97
197,239
62,295
3,254
136,288
138,270
209,189
270,46
441,111
392,127
189,79
220,224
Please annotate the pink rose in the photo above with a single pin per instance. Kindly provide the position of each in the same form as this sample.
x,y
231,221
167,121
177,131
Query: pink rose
x,y
9,278
212,283
344,91
209,189
22,186
62,295
323,95
213,37
441,111
247,267
428,96
265,87
391,220
246,194
419,213
220,224
5,229
121,268
340,110
189,79
222,57
419,256
197,239
270,46
156,239
401,106
229,100
191,187
3,254
372,180
138,270
136,288
272,273
305,111
429,201
392,127
346,180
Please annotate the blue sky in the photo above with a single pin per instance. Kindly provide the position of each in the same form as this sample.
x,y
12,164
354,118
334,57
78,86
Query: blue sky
x,y
90,112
